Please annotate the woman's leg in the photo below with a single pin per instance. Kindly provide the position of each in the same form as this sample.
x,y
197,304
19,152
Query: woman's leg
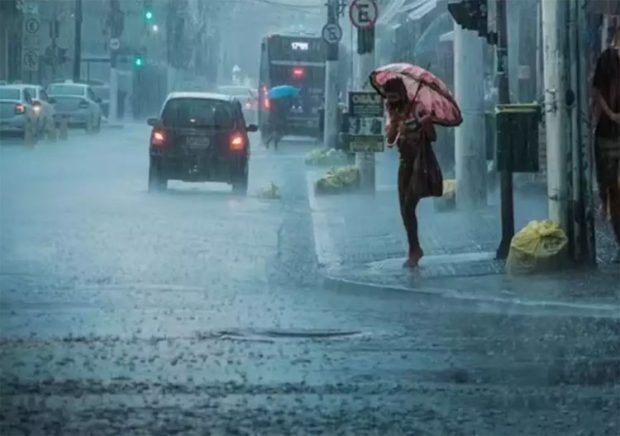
x,y
408,205
602,178
613,191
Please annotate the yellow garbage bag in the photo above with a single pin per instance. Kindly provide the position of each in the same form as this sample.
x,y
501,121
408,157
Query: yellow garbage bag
x,y
538,247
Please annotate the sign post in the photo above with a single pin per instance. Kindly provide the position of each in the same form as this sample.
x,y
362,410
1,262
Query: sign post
x,y
114,45
332,33
30,42
363,15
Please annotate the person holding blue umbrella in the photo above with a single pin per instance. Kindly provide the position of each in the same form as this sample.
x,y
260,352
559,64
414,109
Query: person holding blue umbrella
x,y
281,97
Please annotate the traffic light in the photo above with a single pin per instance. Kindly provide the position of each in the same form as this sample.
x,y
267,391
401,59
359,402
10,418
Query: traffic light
x,y
148,11
473,15
138,61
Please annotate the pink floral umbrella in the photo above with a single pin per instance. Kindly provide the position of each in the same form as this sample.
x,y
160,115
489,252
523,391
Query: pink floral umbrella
x,y
424,88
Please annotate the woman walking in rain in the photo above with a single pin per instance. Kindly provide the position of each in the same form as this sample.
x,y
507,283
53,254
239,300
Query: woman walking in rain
x,y
415,100
410,129
606,93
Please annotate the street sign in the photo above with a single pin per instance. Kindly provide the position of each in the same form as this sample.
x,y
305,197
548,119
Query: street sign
x,y
366,143
332,33
363,129
115,44
365,104
30,33
32,24
363,13
30,60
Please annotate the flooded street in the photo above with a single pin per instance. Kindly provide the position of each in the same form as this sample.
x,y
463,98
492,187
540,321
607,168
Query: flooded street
x,y
196,311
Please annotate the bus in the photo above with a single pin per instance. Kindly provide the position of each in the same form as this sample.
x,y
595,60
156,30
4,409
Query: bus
x,y
297,61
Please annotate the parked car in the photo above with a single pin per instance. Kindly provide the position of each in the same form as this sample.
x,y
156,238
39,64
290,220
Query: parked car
x,y
248,97
43,107
16,110
78,102
200,137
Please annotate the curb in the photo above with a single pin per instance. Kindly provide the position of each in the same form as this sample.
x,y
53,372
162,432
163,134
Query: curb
x,y
589,310
329,261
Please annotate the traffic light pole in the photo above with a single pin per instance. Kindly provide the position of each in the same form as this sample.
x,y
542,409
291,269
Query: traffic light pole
x,y
506,188
330,125
77,45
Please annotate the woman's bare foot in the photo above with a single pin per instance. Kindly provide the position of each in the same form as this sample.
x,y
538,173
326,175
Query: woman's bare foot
x,y
414,259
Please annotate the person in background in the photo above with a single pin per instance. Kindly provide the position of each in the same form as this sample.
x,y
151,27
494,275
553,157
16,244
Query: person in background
x,y
278,118
606,109
408,139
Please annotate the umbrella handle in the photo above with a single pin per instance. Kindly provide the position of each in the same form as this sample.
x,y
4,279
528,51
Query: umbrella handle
x,y
412,103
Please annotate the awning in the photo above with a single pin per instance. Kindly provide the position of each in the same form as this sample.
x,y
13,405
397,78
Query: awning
x,y
392,11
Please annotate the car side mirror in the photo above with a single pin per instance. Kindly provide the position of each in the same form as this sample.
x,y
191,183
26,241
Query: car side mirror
x,y
51,100
98,100
37,103
154,122
252,128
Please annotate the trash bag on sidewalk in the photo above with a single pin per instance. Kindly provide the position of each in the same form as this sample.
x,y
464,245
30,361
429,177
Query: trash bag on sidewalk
x,y
338,180
538,247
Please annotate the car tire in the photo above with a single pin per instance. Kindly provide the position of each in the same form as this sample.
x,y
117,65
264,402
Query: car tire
x,y
240,182
157,181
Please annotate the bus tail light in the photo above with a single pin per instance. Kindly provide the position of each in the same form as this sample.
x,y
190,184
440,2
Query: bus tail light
x,y
298,72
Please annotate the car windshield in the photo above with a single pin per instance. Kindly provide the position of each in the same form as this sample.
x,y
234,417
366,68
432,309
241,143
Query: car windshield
x,y
66,90
9,94
198,112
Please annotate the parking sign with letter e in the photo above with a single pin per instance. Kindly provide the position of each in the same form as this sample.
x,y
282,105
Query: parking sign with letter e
x,y
363,13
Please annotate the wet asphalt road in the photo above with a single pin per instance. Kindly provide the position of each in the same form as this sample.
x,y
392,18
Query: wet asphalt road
x,y
198,312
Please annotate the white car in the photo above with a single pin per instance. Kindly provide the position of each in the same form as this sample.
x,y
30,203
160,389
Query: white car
x,y
16,110
43,107
248,97
78,102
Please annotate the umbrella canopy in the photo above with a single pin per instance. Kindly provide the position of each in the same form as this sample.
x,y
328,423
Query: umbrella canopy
x,y
424,88
282,91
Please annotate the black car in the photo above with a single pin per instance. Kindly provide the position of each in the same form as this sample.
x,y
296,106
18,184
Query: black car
x,y
200,137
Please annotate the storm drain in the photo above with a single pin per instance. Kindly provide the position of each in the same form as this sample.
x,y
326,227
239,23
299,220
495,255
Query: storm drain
x,y
271,334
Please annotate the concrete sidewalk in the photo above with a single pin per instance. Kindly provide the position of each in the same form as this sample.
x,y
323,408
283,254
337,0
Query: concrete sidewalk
x,y
360,241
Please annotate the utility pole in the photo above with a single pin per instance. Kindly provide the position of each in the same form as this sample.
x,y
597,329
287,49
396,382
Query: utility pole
x,y
470,144
362,13
331,36
554,16
506,188
77,45
583,241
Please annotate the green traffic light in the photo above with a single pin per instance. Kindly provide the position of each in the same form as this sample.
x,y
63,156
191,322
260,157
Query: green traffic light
x,y
148,15
138,62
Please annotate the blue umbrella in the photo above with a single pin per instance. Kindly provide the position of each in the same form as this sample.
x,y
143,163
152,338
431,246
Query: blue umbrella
x,y
282,91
